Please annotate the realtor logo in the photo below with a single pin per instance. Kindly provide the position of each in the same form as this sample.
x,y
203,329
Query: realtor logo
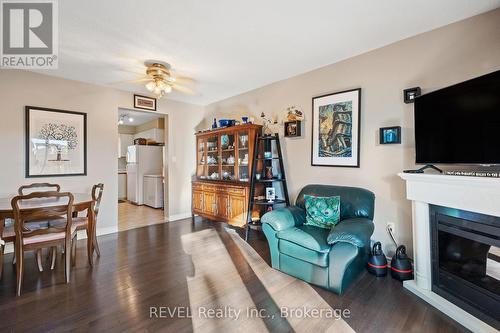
x,y
29,34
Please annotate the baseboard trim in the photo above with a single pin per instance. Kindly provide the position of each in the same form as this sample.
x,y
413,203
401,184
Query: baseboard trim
x,y
181,216
82,234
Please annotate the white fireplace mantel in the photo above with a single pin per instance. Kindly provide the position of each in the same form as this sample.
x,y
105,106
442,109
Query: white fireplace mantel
x,y
475,194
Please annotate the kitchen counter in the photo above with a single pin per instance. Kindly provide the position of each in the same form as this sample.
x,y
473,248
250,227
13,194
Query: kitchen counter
x,y
122,171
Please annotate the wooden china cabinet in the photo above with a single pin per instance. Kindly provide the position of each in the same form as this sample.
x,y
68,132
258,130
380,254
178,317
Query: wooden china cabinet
x,y
221,188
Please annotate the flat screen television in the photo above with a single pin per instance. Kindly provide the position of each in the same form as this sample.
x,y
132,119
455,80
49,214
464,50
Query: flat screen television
x,y
460,124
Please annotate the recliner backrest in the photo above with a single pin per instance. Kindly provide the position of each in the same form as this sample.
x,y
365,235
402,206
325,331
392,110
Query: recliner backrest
x,y
354,201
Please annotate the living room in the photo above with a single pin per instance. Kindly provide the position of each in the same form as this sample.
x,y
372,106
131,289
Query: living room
x,y
250,93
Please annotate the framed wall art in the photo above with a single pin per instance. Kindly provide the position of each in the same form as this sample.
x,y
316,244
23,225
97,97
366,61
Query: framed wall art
x,y
336,129
56,142
390,135
144,102
293,128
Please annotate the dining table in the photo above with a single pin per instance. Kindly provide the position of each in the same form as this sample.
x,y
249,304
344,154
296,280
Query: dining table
x,y
81,202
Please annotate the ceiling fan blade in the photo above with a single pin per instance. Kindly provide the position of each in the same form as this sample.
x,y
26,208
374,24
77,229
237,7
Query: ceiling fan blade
x,y
182,89
184,79
131,81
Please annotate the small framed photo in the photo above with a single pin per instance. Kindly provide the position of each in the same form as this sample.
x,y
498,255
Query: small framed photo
x,y
410,94
270,194
390,135
293,128
144,102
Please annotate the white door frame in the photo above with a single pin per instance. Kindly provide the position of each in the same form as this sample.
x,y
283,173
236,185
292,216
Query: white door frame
x,y
165,155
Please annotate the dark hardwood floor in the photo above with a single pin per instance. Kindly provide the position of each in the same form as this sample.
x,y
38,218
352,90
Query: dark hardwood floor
x,y
147,267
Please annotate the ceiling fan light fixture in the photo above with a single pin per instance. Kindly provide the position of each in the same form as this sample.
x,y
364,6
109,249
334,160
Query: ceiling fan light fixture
x,y
161,79
150,85
161,84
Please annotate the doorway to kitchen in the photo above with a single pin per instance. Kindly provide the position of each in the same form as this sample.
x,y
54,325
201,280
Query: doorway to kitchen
x,y
141,168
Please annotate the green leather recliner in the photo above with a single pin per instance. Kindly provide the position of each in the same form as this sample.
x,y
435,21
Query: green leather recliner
x,y
330,259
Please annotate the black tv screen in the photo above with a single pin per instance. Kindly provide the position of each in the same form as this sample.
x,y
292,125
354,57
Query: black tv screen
x,y
460,124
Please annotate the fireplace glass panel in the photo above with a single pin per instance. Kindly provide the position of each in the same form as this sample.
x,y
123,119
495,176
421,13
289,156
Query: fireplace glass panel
x,y
470,260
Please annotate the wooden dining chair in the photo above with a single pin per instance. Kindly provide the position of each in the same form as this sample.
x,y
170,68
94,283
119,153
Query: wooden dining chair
x,y
35,187
26,189
82,222
28,239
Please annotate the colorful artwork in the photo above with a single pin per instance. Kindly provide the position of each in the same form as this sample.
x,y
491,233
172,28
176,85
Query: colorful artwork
x,y
336,129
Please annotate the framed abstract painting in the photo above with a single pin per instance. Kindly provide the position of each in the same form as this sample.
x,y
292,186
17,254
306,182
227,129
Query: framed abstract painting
x,y
56,142
336,129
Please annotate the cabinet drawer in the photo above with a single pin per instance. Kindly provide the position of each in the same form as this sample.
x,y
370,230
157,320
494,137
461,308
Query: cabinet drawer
x,y
209,188
236,190
197,186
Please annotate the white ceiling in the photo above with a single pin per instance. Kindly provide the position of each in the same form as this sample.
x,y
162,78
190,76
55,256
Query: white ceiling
x,y
232,46
138,116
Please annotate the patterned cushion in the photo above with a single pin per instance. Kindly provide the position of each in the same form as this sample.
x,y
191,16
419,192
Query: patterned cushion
x,y
44,238
78,222
323,212
9,234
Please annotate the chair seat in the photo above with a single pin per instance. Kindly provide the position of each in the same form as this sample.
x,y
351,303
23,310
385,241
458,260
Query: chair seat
x,y
309,237
9,234
79,222
38,238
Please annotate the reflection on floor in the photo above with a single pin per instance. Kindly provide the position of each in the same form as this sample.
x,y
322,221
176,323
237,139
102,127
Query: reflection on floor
x,y
259,298
131,216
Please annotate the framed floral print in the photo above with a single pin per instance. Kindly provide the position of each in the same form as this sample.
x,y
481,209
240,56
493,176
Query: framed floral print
x,y
56,142
336,129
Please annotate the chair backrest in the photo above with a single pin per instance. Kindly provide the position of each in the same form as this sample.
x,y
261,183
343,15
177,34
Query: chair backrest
x,y
41,205
36,187
354,201
96,196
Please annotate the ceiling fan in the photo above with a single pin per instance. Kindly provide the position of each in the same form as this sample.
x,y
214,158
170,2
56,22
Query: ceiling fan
x,y
160,80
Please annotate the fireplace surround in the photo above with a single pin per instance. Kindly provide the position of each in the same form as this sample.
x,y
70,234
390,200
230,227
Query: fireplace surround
x,y
459,194
465,265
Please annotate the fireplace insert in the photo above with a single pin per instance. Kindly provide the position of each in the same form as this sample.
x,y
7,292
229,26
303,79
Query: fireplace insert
x,y
465,250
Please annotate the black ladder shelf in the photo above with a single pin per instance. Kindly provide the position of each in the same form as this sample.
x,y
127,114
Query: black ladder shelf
x,y
264,144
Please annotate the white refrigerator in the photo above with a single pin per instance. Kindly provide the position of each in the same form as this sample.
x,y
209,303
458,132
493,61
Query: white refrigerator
x,y
141,160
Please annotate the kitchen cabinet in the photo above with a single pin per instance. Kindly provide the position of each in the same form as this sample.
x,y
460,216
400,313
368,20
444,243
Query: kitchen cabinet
x,y
155,134
124,140
122,185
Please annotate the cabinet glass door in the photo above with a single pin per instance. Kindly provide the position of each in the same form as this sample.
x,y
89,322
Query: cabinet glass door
x,y
201,166
243,156
213,157
228,156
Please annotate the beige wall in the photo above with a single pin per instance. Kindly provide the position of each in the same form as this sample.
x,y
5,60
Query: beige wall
x,y
431,60
183,121
21,88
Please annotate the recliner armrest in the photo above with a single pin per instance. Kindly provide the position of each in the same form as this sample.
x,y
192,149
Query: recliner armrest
x,y
355,231
284,218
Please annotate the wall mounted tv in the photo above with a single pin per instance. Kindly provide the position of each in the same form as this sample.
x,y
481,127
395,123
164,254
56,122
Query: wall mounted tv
x,y
460,124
